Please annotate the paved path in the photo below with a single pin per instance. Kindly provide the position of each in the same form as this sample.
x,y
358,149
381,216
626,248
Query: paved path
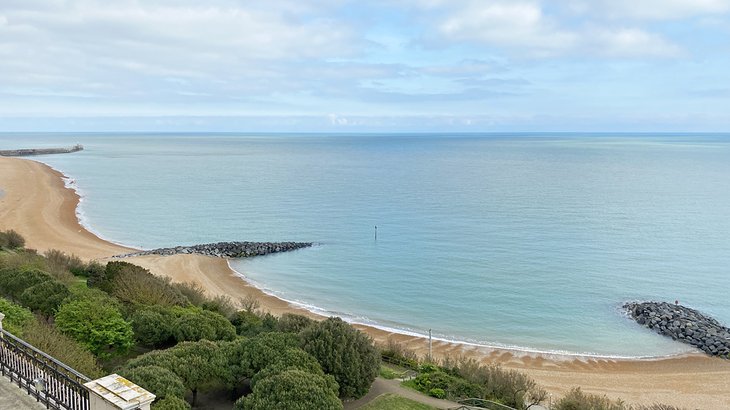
x,y
382,386
13,397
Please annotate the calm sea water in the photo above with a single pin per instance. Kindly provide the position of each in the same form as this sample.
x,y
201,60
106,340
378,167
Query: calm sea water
x,y
531,241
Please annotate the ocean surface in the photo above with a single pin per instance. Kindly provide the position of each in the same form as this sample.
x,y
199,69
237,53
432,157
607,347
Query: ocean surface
x,y
517,240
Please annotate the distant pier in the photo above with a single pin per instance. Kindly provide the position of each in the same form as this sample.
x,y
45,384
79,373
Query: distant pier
x,y
27,152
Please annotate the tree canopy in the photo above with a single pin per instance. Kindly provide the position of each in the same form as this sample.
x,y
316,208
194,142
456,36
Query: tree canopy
x,y
344,352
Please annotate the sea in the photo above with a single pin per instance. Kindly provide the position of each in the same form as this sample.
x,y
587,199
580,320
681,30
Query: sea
x,y
524,241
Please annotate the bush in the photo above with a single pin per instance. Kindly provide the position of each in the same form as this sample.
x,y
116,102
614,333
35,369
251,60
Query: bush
x,y
96,322
222,305
17,318
59,262
45,297
68,351
437,393
294,390
292,323
492,382
171,403
10,239
345,353
193,291
577,400
157,380
153,326
399,355
136,285
249,323
14,281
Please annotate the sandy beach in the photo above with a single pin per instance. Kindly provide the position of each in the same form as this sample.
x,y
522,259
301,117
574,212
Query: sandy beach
x,y
35,202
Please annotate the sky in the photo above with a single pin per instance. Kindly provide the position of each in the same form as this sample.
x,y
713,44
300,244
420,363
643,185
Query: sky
x,y
362,66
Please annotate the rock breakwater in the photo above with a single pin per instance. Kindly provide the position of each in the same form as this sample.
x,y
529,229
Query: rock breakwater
x,y
226,249
683,324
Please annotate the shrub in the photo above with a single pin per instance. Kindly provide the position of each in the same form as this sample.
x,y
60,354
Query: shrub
x,y
158,380
398,354
171,403
577,400
437,393
60,263
293,323
153,326
96,322
17,318
291,389
136,285
193,291
14,281
252,323
11,239
45,297
222,305
70,352
345,353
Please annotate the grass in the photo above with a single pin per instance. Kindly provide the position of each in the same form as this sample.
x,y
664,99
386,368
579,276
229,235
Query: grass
x,y
388,373
390,401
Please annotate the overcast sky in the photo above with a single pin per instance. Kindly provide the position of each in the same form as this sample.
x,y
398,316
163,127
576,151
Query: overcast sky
x,y
337,65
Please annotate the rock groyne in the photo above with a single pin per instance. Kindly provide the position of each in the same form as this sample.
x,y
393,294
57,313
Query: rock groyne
x,y
39,151
683,324
226,249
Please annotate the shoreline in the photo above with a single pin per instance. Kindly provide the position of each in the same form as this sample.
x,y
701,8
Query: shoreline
x,y
40,205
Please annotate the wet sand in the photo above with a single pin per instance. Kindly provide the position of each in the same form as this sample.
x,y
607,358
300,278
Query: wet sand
x,y
37,204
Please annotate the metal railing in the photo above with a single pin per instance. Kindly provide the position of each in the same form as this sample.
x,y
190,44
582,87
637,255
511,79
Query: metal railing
x,y
51,382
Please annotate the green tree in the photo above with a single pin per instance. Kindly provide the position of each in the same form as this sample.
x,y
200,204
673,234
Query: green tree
x,y
193,323
199,365
96,322
170,403
291,390
345,353
14,281
294,359
17,318
153,326
45,297
158,380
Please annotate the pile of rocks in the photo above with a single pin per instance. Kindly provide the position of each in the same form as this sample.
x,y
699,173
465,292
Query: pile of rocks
x,y
226,249
683,324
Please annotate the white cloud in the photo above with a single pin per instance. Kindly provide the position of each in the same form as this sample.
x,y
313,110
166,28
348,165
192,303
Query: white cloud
x,y
631,42
514,23
524,28
651,9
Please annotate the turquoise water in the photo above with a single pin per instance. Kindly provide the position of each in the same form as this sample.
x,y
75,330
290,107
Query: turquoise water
x,y
529,241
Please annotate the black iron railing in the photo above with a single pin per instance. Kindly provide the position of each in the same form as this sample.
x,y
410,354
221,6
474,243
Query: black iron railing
x,y
51,382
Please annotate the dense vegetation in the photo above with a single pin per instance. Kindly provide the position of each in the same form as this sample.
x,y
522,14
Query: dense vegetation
x,y
173,339
176,341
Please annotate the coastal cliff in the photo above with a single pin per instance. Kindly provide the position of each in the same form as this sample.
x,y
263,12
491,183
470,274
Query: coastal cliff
x,y
226,249
683,324
27,152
